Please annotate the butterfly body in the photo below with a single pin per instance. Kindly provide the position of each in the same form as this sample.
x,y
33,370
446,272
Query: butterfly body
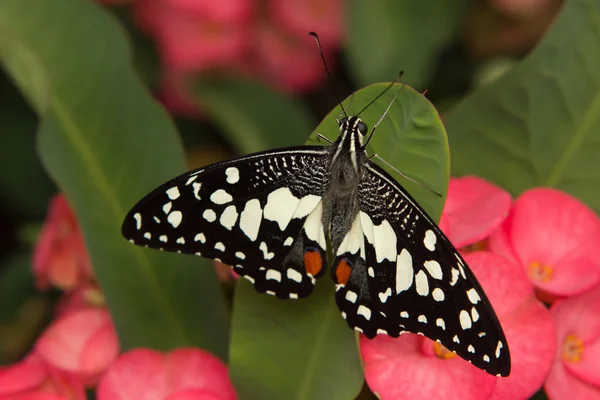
x,y
269,215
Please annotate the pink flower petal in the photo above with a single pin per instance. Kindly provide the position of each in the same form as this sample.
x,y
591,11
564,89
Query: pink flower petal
x,y
198,369
20,377
227,11
83,343
289,63
302,16
499,241
136,375
562,385
473,210
504,282
577,318
551,228
527,324
196,394
36,396
397,369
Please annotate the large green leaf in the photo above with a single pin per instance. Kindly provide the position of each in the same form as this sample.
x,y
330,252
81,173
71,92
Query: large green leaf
x,y
539,125
253,116
385,36
107,143
304,349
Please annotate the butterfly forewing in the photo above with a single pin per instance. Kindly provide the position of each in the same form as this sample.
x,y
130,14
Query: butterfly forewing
x,y
407,277
260,213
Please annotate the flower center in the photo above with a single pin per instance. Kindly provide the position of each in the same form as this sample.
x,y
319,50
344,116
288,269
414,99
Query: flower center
x,y
540,272
441,351
572,349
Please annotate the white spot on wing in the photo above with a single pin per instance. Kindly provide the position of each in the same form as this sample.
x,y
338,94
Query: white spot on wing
x,y
367,226
422,283
371,272
197,187
364,311
288,241
167,207
486,358
422,319
384,296
280,207
454,278
175,218
465,320
293,296
233,175
385,242
313,226
209,215
354,240
351,296
251,218
473,296
440,322
474,314
138,220
404,314
265,250
240,255
148,235
273,275
219,246
471,349
200,238
498,348
220,196
430,240
163,238
306,205
173,193
294,275
438,294
404,271
434,269
181,240
229,217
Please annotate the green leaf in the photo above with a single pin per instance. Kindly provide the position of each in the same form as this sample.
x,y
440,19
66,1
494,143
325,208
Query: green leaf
x,y
304,349
386,36
107,143
254,117
539,125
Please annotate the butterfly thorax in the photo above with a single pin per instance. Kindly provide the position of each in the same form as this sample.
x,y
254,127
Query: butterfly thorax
x,y
341,200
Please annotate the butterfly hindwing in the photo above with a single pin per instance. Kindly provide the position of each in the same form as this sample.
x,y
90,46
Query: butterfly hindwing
x,y
260,214
406,276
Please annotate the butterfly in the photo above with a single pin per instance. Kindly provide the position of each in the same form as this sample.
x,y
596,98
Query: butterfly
x,y
270,215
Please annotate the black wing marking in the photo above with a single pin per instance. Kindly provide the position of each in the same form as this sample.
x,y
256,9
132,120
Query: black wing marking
x,y
407,276
248,213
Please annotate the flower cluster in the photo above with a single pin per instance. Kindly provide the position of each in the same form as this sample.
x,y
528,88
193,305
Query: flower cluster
x,y
537,249
263,39
80,348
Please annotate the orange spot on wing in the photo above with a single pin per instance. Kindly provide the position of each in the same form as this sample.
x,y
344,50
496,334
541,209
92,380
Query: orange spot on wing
x,y
342,272
313,262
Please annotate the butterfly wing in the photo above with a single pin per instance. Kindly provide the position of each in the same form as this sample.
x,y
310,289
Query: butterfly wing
x,y
407,277
260,213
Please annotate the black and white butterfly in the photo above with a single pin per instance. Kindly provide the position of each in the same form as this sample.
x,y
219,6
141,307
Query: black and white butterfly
x,y
270,215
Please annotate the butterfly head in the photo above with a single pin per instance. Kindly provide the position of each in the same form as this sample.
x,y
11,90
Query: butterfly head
x,y
353,127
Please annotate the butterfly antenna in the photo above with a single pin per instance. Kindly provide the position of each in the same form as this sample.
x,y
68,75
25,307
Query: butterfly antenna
x,y
385,112
382,93
313,34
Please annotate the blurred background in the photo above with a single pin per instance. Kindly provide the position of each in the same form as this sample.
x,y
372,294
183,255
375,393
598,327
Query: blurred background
x,y
206,60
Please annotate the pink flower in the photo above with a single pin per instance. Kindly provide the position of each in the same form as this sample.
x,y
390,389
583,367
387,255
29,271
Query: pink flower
x,y
474,209
554,237
194,36
32,379
81,344
576,370
290,63
299,17
403,368
182,374
60,257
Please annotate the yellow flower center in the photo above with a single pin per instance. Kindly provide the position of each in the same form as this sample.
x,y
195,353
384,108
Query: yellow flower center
x,y
540,272
572,349
442,352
